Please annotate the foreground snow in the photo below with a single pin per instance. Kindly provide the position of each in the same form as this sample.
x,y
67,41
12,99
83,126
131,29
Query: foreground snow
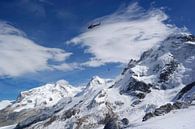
x,y
8,127
180,119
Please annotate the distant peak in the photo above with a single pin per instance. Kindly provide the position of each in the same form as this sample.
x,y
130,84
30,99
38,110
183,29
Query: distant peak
x,y
62,82
97,79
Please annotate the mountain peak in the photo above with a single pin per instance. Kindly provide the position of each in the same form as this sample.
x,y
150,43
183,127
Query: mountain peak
x,y
62,82
44,96
97,79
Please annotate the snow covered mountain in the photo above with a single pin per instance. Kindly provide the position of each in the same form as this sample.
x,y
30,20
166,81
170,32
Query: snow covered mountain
x,y
37,99
156,91
44,96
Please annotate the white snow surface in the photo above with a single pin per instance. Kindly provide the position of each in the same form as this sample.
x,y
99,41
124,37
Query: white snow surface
x,y
179,119
44,96
8,127
4,104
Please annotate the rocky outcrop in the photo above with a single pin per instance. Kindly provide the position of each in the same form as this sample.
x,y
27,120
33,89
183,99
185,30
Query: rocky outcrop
x,y
125,121
187,38
182,100
186,93
164,109
112,124
167,71
136,85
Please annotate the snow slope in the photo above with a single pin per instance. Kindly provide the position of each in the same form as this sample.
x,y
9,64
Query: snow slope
x,y
4,104
180,119
8,127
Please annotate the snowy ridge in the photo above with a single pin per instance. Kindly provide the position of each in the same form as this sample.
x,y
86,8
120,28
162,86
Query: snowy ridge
x,y
166,63
44,96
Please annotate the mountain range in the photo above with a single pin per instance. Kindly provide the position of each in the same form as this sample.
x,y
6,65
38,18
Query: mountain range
x,y
155,92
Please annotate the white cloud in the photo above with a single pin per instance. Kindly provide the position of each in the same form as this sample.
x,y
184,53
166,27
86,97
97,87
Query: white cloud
x,y
123,35
66,67
20,55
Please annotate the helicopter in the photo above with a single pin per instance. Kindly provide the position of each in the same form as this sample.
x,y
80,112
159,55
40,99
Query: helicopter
x,y
94,25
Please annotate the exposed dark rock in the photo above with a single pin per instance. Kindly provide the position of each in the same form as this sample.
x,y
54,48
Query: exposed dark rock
x,y
136,85
125,121
187,38
148,116
80,121
50,99
52,119
164,109
136,102
179,105
145,55
185,90
124,71
112,124
111,86
167,71
130,65
119,103
102,94
140,95
69,113
92,104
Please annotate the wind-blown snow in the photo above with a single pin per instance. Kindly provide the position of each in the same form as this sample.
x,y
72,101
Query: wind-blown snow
x,y
123,35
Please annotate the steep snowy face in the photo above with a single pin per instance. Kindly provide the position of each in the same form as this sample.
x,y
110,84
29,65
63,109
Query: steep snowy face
x,y
96,83
167,66
44,96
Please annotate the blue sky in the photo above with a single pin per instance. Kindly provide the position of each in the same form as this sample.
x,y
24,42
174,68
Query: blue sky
x,y
49,24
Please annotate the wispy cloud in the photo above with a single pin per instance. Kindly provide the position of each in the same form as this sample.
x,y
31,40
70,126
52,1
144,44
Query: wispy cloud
x,y
34,7
123,35
20,55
